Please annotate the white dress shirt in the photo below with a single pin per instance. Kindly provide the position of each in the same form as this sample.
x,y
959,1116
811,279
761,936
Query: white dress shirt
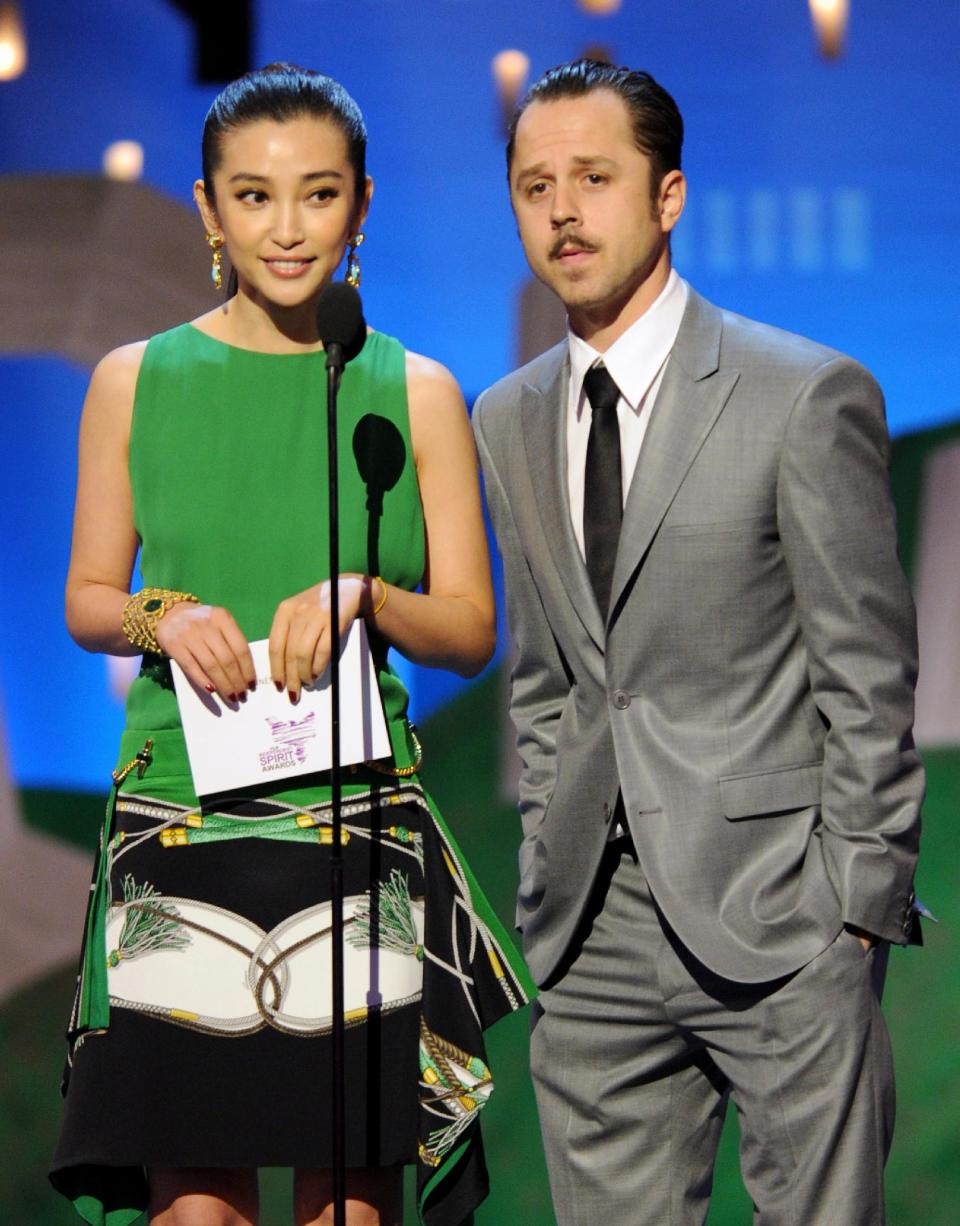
x,y
636,362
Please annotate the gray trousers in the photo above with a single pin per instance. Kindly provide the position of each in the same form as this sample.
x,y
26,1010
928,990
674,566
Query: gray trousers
x,y
637,1046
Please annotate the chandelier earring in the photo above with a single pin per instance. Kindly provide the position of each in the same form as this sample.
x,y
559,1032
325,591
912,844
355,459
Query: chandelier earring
x,y
352,276
215,243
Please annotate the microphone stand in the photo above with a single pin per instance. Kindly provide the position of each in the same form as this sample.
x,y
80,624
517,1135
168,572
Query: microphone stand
x,y
335,363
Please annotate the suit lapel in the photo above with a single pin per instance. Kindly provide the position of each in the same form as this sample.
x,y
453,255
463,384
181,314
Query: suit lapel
x,y
692,396
543,411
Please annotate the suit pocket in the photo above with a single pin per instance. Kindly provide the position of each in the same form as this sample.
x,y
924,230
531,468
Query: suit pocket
x,y
532,876
752,524
770,792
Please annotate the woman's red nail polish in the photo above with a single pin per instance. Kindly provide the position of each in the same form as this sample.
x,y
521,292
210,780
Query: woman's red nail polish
x,y
211,689
293,697
232,697
252,686
279,685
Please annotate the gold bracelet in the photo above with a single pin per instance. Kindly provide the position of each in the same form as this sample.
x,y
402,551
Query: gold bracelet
x,y
143,611
383,599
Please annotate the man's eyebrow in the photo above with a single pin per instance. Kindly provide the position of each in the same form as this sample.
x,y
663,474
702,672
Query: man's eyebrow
x,y
592,159
248,177
580,159
530,171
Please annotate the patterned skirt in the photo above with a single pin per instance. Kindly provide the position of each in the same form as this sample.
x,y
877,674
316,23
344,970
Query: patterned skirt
x,y
201,1035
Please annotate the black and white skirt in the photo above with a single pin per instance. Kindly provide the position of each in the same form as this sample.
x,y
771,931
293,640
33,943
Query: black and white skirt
x,y
202,1037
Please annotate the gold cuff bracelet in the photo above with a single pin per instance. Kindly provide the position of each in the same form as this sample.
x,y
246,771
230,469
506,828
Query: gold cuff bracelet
x,y
142,613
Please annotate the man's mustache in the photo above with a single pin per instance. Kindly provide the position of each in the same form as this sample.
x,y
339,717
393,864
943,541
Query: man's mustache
x,y
567,241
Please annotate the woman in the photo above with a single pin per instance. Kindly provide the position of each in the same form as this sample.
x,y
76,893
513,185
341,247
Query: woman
x,y
200,1037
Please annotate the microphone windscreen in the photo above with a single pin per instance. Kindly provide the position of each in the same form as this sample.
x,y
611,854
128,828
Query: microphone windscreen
x,y
340,319
380,452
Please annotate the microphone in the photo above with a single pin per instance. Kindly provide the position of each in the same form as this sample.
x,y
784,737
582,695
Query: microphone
x,y
340,324
381,454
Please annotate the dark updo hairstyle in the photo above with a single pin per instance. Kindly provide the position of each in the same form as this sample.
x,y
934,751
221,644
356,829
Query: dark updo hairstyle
x,y
282,92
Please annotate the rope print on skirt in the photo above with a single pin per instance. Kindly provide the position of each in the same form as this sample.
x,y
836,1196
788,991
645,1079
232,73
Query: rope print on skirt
x,y
419,934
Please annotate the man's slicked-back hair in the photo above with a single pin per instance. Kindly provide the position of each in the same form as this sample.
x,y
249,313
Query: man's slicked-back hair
x,y
655,117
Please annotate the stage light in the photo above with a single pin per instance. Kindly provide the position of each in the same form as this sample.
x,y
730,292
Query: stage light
x,y
123,160
830,22
13,42
510,71
600,8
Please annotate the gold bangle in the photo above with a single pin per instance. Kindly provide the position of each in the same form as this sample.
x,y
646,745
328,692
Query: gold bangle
x,y
383,599
142,613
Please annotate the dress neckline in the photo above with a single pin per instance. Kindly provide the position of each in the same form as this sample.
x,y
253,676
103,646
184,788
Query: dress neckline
x,y
257,353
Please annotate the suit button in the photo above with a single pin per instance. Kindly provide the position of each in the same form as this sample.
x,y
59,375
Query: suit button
x,y
621,700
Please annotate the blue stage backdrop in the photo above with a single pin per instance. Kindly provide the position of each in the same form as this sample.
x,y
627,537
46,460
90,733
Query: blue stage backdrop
x,y
823,198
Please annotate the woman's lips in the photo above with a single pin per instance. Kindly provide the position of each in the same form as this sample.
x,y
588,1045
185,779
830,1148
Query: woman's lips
x,y
288,269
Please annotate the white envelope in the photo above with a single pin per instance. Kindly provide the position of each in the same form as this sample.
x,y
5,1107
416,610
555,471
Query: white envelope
x,y
268,739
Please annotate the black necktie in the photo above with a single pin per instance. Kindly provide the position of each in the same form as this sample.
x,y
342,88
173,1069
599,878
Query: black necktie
x,y
602,483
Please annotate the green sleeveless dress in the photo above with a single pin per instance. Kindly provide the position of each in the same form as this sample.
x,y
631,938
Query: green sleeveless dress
x,y
200,1035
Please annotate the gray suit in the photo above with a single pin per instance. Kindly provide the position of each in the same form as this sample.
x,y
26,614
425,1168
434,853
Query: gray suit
x,y
751,693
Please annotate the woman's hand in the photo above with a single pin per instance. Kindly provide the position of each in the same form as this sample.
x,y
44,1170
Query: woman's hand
x,y
300,639
210,648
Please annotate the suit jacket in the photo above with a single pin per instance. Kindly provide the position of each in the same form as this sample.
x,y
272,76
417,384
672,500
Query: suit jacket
x,y
750,691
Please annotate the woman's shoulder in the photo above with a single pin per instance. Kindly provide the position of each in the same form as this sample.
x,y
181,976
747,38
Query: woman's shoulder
x,y
108,407
426,380
116,376
427,377
116,373
435,402
125,361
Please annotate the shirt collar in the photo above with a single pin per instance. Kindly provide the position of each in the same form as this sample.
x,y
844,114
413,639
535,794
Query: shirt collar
x,y
634,358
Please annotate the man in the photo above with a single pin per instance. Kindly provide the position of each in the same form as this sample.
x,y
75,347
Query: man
x,y
713,696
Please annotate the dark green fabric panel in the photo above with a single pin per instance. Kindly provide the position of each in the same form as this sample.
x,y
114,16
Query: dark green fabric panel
x,y
74,817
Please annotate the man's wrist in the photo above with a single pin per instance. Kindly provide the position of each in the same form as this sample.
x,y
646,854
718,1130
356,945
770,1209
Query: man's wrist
x,y
869,939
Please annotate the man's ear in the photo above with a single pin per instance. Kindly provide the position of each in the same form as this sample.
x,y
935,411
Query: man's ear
x,y
673,195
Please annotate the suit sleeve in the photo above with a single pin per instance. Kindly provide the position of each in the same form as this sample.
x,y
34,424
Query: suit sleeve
x,y
539,680
856,615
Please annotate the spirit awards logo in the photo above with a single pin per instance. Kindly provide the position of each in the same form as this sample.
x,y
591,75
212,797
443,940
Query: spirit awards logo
x,y
290,737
